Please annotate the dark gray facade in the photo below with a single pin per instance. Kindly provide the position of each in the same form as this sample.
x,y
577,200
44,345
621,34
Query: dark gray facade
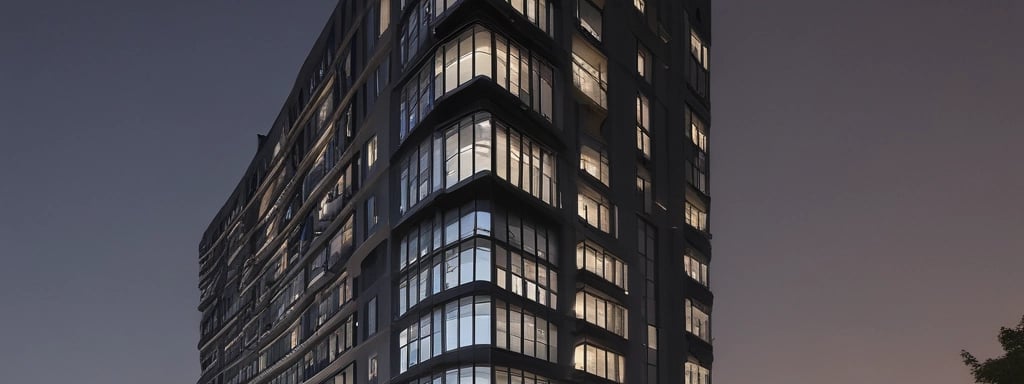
x,y
475,191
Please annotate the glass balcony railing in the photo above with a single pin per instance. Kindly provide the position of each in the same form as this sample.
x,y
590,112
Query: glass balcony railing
x,y
590,81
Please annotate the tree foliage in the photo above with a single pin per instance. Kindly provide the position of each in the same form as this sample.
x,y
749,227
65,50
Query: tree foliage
x,y
1008,369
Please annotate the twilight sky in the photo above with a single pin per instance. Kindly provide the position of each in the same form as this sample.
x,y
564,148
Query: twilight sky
x,y
866,180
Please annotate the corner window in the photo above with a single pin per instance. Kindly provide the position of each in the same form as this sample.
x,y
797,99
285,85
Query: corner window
x,y
698,320
698,133
699,50
696,267
697,71
457,324
697,374
696,215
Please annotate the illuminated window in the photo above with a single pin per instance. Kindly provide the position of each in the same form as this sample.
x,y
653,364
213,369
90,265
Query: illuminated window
x,y
468,262
515,376
371,152
697,75
595,163
476,144
696,267
643,125
477,52
601,312
594,209
385,16
589,71
698,320
696,374
594,258
522,332
481,374
643,62
530,166
698,133
371,366
457,324
600,362
696,215
538,12
699,50
652,337
525,276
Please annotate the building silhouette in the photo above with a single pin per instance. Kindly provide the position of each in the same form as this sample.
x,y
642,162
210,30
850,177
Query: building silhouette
x,y
475,191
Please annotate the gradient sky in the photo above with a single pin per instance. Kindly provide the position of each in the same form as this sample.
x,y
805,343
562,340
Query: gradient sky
x,y
866,180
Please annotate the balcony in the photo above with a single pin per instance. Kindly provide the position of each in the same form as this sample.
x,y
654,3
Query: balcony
x,y
590,72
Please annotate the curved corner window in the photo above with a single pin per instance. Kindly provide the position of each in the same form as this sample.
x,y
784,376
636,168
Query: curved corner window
x,y
477,52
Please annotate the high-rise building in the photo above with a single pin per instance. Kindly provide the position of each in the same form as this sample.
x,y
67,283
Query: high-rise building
x,y
475,191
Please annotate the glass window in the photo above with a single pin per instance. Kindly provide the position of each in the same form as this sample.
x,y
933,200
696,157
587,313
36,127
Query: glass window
x,y
371,152
371,317
600,362
644,62
524,333
530,167
697,71
652,337
644,188
594,209
385,16
696,374
589,71
469,148
699,50
643,125
371,366
696,215
589,16
466,321
695,266
601,312
698,134
698,320
536,11
596,259
595,163
526,277
371,212
481,374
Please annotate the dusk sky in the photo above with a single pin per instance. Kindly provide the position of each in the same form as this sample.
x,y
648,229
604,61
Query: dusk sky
x,y
867,180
